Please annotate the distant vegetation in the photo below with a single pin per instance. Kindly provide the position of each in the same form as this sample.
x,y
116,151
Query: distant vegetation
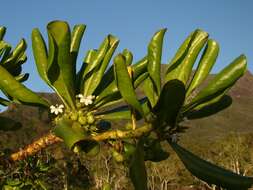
x,y
231,146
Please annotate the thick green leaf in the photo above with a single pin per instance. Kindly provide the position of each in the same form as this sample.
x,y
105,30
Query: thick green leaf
x,y
76,37
169,104
70,132
123,112
17,53
205,65
99,57
222,81
148,89
137,168
60,66
124,83
18,91
154,59
180,54
128,56
95,78
140,79
89,57
106,80
7,124
140,67
40,54
110,96
2,32
5,51
181,65
22,77
211,173
153,150
4,102
210,108
108,87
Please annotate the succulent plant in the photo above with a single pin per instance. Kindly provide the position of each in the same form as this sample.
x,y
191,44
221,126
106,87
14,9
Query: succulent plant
x,y
82,120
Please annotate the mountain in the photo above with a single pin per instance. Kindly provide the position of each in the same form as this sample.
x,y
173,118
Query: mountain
x,y
236,118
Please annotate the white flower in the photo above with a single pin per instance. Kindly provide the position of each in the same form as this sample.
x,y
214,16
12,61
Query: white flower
x,y
86,100
174,138
56,109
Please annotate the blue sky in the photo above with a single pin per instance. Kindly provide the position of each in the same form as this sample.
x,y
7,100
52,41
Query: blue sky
x,y
134,22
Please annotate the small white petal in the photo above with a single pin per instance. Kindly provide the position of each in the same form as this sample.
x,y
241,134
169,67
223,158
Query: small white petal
x,y
79,96
61,106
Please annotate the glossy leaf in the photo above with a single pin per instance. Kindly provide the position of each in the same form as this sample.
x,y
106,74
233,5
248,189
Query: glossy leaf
x,y
128,56
140,79
148,89
18,91
222,81
205,65
210,108
22,77
139,68
2,32
181,66
99,57
95,78
169,104
124,112
137,168
4,102
89,57
124,83
106,80
60,66
40,54
211,173
17,52
154,59
70,132
76,38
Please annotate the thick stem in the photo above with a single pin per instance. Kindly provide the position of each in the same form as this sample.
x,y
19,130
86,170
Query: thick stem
x,y
118,134
50,139
35,147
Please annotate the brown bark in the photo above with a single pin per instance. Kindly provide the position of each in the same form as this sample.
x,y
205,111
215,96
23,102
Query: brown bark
x,y
35,147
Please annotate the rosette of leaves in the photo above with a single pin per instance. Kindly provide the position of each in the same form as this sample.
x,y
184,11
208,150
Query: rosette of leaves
x,y
181,96
83,93
11,61
11,76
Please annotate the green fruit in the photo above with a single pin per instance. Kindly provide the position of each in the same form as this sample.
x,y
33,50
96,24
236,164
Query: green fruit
x,y
74,116
82,120
90,119
78,105
107,186
117,156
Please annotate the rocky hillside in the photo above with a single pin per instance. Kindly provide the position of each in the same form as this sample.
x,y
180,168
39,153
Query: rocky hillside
x,y
237,118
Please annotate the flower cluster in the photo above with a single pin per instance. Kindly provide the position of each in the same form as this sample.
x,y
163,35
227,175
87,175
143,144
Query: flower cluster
x,y
56,109
86,100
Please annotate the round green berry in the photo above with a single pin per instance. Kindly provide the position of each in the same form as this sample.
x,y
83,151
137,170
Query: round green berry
x,y
82,120
90,119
